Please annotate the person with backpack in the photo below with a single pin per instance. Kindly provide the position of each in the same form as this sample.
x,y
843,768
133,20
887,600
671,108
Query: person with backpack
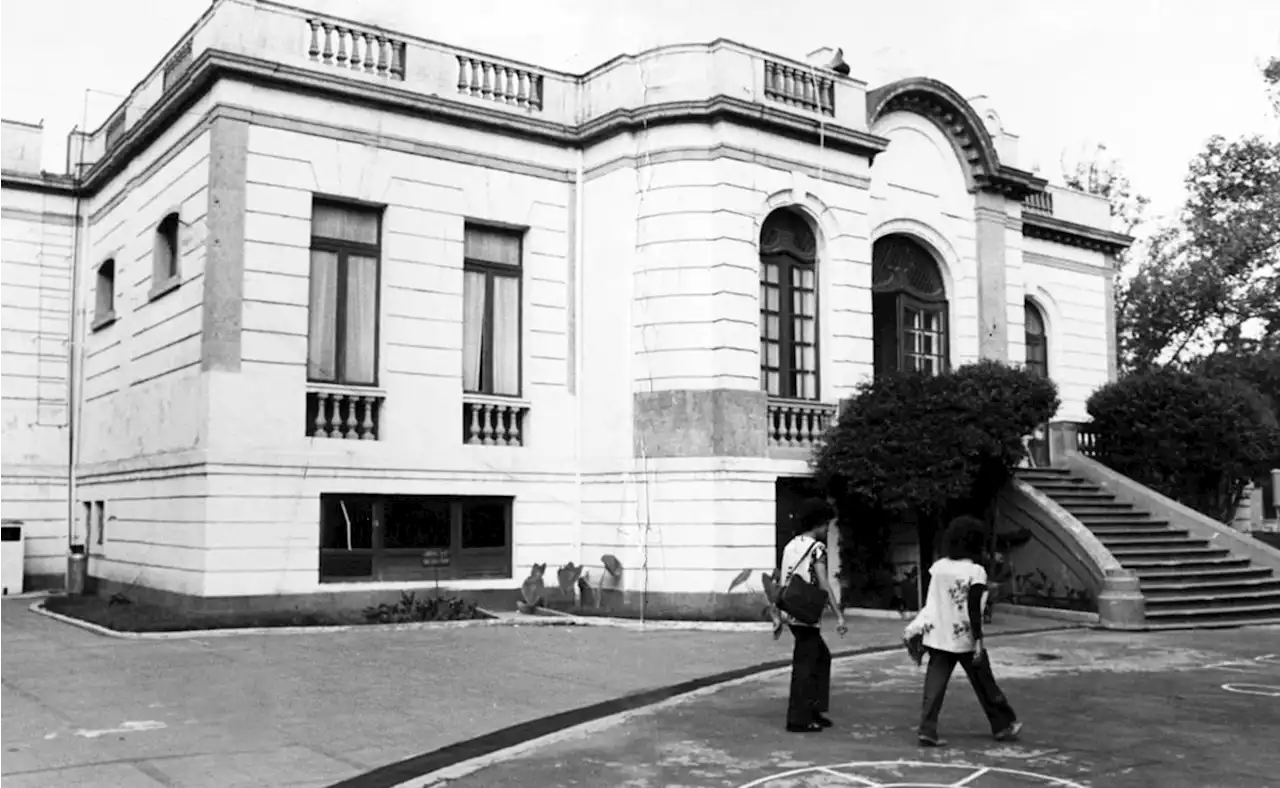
x,y
949,630
803,595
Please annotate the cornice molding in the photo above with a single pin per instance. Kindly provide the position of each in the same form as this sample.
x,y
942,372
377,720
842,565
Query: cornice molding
x,y
1047,228
945,108
42,183
213,65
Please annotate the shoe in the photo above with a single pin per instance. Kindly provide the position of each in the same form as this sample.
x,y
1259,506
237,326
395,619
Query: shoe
x,y
930,741
1010,733
808,727
823,720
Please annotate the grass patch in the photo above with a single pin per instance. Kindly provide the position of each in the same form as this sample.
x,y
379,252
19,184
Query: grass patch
x,y
680,615
129,616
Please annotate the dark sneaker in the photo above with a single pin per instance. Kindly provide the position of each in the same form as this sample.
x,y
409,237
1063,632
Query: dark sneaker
x,y
823,720
1010,733
930,741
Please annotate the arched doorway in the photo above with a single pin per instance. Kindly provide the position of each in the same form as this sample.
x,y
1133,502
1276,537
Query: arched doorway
x,y
909,307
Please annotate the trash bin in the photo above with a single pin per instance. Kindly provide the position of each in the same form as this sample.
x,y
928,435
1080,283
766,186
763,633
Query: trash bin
x,y
77,570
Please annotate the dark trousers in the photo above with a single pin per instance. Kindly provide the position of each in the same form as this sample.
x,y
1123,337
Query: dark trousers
x,y
810,676
994,703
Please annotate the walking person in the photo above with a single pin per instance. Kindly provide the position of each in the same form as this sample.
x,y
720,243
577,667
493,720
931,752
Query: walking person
x,y
806,556
949,629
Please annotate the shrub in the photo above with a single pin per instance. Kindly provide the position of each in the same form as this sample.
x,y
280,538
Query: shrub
x,y
909,441
411,608
1194,438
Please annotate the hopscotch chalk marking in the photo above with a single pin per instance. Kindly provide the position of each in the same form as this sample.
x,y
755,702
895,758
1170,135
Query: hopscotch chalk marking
x,y
1265,690
862,773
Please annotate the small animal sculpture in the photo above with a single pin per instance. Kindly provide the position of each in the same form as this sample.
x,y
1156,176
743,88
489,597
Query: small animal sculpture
x,y
534,590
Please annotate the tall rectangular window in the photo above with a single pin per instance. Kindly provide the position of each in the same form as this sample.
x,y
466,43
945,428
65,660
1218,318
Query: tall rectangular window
x,y
789,323
342,342
491,311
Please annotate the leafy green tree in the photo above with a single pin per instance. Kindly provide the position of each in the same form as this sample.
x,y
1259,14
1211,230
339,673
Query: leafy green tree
x,y
1194,438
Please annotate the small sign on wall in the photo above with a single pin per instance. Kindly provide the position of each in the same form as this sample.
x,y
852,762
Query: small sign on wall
x,y
436,556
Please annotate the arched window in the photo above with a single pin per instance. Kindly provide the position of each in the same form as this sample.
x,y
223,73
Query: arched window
x,y
1037,341
909,307
104,293
165,260
788,307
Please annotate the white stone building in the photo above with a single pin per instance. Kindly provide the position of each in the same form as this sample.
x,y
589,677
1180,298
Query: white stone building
x,y
347,294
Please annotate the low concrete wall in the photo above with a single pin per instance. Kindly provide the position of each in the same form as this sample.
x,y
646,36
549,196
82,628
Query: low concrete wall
x,y
1126,490
1120,604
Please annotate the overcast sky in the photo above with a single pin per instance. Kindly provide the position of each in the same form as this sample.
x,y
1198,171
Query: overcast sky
x,y
1150,78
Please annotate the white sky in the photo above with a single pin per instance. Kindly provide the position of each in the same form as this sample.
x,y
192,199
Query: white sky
x,y
1150,78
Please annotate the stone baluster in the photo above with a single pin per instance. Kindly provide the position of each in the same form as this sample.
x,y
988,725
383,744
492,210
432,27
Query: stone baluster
x,y
366,432
351,423
473,432
313,51
322,417
515,439
501,417
327,54
488,436
397,60
382,56
341,59
464,79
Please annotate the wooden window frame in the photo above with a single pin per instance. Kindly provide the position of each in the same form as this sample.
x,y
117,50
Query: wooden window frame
x,y
492,270
787,342
905,302
404,564
1038,367
901,296
344,249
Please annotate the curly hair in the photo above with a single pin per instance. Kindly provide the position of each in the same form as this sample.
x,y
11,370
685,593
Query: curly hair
x,y
965,537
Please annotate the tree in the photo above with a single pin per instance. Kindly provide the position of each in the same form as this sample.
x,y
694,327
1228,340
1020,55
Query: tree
x,y
1194,438
1210,282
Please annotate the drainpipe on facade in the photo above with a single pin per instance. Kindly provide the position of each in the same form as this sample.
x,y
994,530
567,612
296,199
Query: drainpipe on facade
x,y
578,290
76,563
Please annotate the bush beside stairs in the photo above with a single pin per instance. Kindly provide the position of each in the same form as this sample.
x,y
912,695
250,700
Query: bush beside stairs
x,y
1185,580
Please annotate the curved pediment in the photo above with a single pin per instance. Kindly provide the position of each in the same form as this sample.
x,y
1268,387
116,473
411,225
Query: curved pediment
x,y
958,120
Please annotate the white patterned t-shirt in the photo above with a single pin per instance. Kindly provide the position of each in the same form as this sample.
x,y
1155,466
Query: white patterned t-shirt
x,y
944,621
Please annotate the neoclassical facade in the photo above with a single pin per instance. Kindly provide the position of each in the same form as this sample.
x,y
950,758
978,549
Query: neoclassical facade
x,y
345,295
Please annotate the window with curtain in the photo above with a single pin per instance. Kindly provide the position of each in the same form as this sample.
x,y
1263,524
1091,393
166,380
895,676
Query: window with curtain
x,y
909,308
342,340
491,311
1037,341
788,307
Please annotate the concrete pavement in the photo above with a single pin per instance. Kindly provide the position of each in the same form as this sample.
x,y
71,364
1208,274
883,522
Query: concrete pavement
x,y
1116,710
80,709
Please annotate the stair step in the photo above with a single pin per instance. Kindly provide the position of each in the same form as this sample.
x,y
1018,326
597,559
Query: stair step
x,y
1113,517
1214,599
1184,565
1065,485
1158,528
1224,622
1180,573
1185,552
1072,500
1100,507
1042,472
1209,586
1195,612
1159,540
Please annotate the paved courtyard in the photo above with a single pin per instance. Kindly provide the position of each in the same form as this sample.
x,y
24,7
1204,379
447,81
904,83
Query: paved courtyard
x,y
1169,710
313,709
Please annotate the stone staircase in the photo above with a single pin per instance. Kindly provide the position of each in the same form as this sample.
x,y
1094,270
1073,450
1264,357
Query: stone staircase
x,y
1186,581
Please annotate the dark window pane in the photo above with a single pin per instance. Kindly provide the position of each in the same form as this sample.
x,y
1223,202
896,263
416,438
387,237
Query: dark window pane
x,y
484,524
346,522
344,223
414,522
490,245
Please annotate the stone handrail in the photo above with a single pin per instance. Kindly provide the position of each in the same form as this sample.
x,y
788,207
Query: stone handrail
x,y
1116,589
